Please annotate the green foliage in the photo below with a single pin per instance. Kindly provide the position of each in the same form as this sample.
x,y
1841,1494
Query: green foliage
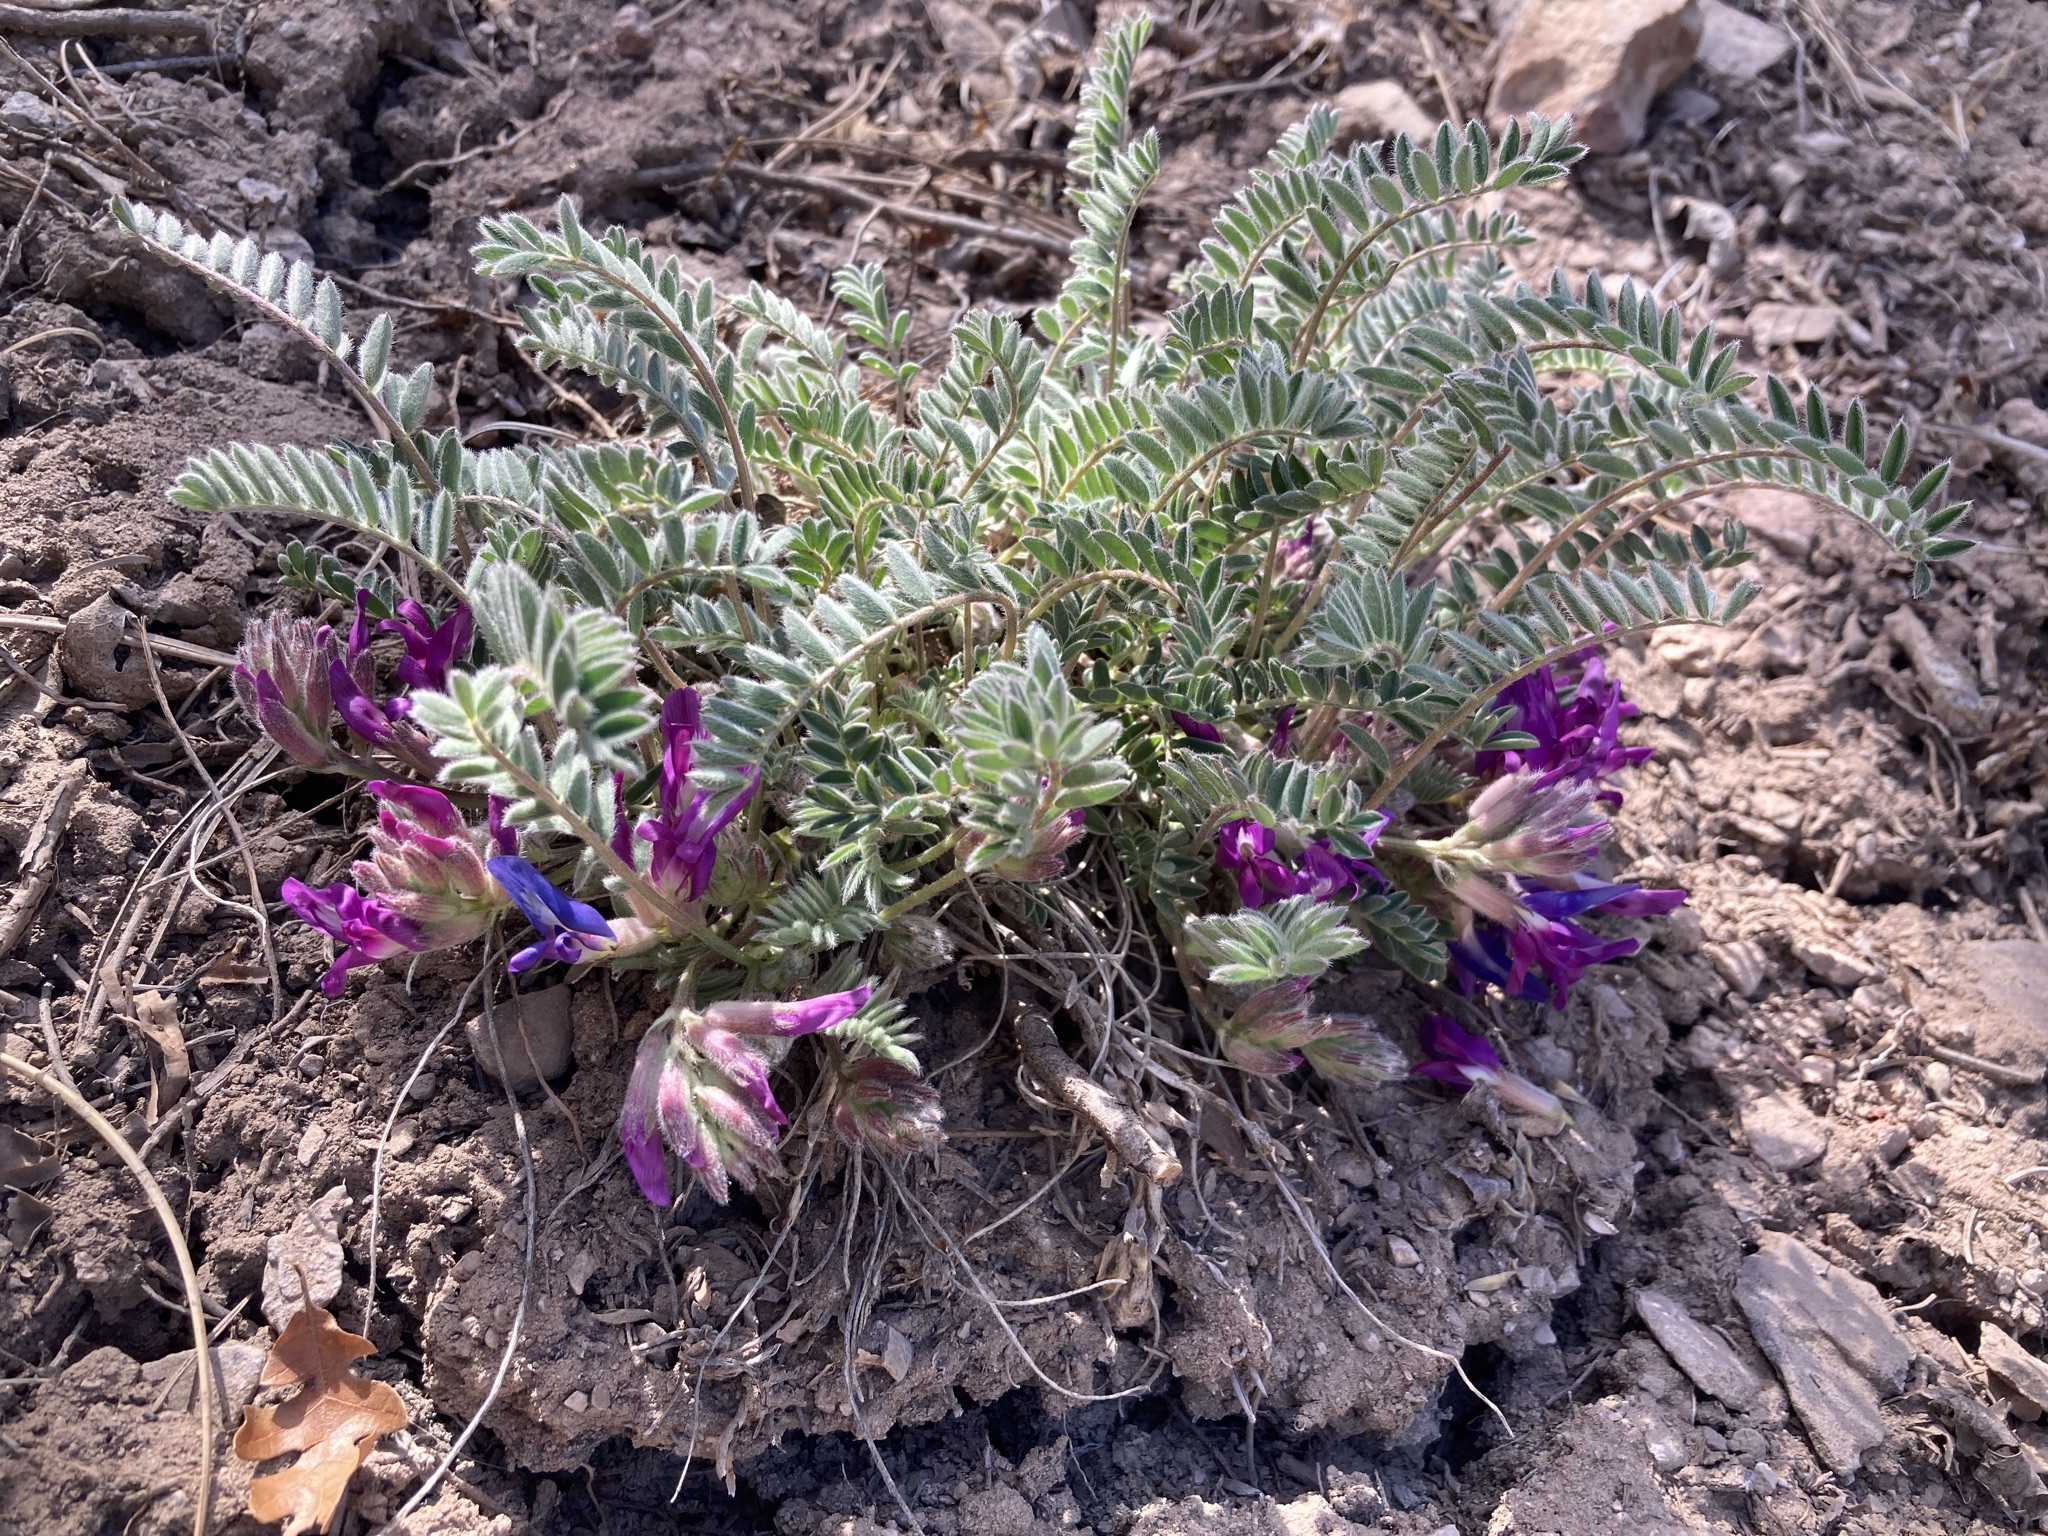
x,y
1299,937
1363,480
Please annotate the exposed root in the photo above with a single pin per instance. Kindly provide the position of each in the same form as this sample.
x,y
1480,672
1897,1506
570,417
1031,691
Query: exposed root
x,y
936,1235
1088,1099
74,1101
1255,1135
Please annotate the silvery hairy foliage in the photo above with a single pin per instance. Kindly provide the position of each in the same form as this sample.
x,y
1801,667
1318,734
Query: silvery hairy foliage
x,y
1279,617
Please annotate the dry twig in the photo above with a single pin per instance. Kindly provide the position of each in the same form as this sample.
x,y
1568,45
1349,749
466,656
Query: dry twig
x,y
1089,1099
74,1101
25,21
39,858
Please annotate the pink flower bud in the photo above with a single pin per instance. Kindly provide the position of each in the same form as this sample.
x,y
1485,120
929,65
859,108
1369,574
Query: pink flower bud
x,y
428,863
884,1105
281,682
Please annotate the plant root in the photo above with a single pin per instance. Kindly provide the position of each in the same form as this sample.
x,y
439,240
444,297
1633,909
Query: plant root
x,y
1089,1099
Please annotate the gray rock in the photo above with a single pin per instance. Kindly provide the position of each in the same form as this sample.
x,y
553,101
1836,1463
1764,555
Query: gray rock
x,y
1603,61
1666,1447
1947,683
1737,46
534,1030
1835,964
1832,1342
1741,963
1783,1131
2023,1375
303,1264
2000,989
1700,1352
240,1367
1379,109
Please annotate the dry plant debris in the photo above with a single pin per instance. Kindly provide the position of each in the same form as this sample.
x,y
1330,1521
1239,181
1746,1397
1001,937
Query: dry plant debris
x,y
334,1421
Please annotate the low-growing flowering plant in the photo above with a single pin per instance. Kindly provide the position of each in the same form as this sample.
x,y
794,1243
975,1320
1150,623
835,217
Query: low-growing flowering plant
x,y
1269,637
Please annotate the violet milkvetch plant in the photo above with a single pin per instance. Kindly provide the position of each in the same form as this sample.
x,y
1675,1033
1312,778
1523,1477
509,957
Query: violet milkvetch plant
x,y
1262,643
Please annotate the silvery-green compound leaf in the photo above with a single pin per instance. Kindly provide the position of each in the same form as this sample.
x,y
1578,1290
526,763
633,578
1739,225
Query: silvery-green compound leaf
x,y
1084,596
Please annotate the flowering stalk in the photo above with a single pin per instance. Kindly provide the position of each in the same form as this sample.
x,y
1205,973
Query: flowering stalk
x,y
700,1086
1513,877
424,887
281,682
1272,1031
883,1104
1453,1056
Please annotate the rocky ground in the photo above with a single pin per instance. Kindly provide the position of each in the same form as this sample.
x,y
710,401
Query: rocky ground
x,y
1784,1273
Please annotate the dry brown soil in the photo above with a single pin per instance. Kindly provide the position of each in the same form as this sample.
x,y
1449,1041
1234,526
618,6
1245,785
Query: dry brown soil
x,y
1858,826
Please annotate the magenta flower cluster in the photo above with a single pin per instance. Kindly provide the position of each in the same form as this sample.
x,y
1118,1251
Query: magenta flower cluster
x,y
1523,937
700,1089
1246,851
292,678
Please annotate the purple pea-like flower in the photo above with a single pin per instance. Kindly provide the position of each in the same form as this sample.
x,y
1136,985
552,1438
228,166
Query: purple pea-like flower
x,y
1193,729
1535,950
430,649
1534,958
684,835
640,1119
1577,726
787,1020
1244,849
364,717
1453,1056
368,930
1282,735
1329,875
570,931
1298,554
504,836
1588,895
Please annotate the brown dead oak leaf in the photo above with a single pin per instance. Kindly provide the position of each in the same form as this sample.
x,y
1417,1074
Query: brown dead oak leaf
x,y
334,1421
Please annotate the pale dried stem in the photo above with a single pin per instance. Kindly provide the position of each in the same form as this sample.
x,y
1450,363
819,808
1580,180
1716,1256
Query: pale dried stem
x,y
75,1101
39,858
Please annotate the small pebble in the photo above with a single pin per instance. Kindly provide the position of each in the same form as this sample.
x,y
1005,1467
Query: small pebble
x,y
577,1402
1817,1071
1666,1447
1926,1124
423,1088
1893,1144
1402,1253
311,1143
